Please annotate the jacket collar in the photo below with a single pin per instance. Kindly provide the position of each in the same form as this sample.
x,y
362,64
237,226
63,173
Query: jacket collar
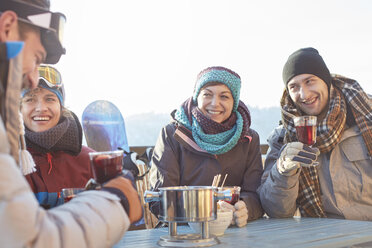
x,y
350,132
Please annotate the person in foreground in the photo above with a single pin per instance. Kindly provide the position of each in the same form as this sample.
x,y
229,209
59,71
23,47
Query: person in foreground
x,y
340,186
54,138
96,218
210,134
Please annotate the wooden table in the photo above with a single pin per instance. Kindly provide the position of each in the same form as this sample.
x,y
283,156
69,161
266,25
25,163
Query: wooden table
x,y
291,232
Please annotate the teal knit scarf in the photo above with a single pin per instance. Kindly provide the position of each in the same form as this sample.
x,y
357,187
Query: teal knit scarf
x,y
218,143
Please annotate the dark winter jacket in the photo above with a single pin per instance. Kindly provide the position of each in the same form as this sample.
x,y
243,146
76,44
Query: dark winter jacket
x,y
178,161
63,165
58,170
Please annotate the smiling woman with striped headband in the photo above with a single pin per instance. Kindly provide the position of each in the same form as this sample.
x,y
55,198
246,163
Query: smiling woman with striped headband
x,y
210,134
54,138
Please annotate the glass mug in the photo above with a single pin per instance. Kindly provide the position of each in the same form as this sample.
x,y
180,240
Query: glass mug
x,y
69,193
106,165
305,129
235,193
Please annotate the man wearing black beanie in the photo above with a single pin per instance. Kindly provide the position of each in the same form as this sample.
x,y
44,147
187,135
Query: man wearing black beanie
x,y
306,61
332,178
304,66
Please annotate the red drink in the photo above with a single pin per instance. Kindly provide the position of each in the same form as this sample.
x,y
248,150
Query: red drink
x,y
306,129
106,167
234,198
68,198
306,134
235,194
69,193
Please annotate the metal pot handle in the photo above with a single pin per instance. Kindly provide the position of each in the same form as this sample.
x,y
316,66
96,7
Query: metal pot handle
x,y
151,196
224,195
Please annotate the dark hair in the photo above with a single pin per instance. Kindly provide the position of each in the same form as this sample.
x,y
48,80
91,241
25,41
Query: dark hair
x,y
211,84
24,29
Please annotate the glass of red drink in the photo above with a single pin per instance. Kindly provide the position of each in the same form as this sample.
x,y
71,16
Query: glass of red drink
x,y
305,129
69,193
106,165
235,193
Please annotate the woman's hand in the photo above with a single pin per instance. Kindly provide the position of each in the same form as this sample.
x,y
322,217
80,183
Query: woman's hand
x,y
240,212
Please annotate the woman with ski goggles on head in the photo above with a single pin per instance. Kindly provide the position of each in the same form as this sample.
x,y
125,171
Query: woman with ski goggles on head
x,y
54,138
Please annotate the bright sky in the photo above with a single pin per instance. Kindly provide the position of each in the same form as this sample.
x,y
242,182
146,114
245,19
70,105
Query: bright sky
x,y
144,55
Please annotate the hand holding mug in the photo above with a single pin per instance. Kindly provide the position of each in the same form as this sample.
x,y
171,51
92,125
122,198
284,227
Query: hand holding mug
x,y
108,172
294,155
306,130
106,165
240,212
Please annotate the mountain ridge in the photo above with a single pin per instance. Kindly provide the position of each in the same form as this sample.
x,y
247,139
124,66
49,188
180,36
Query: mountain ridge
x,y
143,129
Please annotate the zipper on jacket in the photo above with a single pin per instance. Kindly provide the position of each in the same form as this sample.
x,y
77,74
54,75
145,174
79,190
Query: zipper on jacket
x,y
49,157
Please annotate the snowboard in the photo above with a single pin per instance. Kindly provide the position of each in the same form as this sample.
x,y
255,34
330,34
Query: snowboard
x,y
104,127
104,130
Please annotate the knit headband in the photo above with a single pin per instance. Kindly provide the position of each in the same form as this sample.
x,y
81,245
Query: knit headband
x,y
221,75
59,92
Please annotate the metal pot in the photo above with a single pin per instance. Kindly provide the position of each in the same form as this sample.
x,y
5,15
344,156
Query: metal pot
x,y
187,203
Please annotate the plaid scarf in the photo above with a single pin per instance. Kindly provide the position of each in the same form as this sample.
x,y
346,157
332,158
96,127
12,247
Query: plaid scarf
x,y
216,138
329,133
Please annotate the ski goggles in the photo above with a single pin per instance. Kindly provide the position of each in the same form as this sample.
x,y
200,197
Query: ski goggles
x,y
51,26
50,76
50,79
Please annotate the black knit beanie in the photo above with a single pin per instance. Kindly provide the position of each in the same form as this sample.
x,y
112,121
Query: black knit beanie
x,y
306,61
